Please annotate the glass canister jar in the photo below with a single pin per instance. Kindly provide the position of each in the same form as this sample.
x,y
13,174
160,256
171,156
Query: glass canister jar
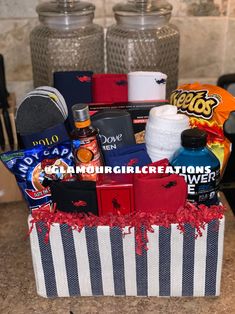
x,y
143,40
66,40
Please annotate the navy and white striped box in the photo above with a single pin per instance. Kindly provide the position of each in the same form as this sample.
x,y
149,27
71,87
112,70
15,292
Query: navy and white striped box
x,y
100,261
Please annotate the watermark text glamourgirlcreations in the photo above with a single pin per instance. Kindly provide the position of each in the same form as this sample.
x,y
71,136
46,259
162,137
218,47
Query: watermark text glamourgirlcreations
x,y
128,169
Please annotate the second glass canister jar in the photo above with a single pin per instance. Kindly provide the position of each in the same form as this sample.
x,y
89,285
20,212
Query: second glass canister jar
x,y
66,40
143,40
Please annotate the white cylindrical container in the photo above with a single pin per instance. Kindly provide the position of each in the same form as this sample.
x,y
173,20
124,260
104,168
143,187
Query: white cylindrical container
x,y
146,86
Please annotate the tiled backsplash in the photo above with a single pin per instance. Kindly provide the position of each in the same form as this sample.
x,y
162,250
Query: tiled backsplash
x,y
207,30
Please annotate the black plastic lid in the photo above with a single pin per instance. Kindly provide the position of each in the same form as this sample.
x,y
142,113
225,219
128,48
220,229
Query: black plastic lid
x,y
193,138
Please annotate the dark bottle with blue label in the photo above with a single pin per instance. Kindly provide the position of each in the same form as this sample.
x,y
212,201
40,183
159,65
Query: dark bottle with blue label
x,y
199,166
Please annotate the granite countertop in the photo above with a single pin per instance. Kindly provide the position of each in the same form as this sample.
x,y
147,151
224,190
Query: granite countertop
x,y
17,286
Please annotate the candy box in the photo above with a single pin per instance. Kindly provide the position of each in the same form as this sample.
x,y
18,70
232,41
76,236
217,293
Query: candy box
x,y
101,261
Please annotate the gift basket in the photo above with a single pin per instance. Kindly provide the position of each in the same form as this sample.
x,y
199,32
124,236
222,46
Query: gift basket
x,y
122,185
111,214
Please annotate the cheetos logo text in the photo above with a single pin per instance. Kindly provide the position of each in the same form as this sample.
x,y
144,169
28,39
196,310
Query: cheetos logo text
x,y
195,103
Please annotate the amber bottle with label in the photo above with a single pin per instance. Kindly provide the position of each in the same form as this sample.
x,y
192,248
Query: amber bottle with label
x,y
88,154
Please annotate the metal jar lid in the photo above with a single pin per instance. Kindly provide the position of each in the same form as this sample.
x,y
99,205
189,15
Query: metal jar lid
x,y
80,112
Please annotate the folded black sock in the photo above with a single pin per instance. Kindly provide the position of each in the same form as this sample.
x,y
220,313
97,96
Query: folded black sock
x,y
75,197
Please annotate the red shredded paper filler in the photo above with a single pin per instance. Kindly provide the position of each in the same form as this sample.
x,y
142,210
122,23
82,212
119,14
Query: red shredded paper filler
x,y
197,216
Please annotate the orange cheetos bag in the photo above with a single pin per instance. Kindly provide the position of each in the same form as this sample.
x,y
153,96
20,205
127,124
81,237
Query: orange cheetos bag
x,y
208,107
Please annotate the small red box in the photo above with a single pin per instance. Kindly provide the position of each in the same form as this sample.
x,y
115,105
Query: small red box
x,y
115,194
109,88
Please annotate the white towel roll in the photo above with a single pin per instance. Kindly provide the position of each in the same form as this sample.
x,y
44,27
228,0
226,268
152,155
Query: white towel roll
x,y
172,143
158,155
165,110
167,127
169,123
163,131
